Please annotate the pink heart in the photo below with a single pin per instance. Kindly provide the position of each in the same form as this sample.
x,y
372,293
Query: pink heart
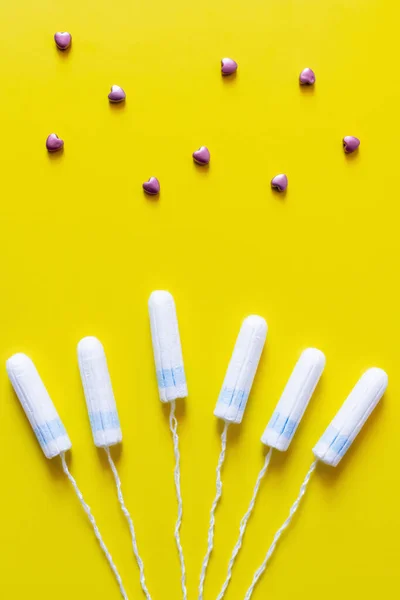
x,y
202,155
54,143
228,66
279,182
63,39
117,94
152,186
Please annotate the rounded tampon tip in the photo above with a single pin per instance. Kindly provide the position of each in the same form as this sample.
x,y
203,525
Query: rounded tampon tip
x,y
377,376
160,297
90,346
316,356
258,323
18,361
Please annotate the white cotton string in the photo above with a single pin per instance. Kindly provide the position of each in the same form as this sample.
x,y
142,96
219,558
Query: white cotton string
x,y
173,424
278,534
211,527
243,525
91,518
130,523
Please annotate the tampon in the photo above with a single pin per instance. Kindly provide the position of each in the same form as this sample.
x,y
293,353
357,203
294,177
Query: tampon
x,y
167,347
334,444
171,385
348,422
99,394
241,370
104,422
294,400
50,432
38,406
281,429
231,405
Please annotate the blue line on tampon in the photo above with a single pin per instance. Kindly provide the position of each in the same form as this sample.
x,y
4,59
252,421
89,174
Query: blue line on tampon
x,y
167,378
235,397
102,421
49,431
283,425
338,443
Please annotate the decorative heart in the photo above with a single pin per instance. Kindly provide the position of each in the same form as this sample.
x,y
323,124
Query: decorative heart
x,y
63,39
152,186
228,66
350,143
307,77
202,156
54,143
117,94
279,182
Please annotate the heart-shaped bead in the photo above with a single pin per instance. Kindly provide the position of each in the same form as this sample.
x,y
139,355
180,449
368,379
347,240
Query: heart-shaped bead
x,y
228,66
279,182
350,143
202,156
117,94
152,186
307,77
54,143
62,39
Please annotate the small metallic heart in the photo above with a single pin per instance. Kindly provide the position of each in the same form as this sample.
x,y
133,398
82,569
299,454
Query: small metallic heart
x,y
228,66
117,94
202,156
62,39
279,182
54,143
307,77
152,186
350,144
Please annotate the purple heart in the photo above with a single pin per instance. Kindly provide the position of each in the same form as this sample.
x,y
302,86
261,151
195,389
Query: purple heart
x,y
228,66
63,39
54,143
350,143
117,94
202,156
307,77
152,186
279,182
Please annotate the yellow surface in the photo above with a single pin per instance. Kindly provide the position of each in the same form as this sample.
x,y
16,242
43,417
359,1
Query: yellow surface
x,y
82,249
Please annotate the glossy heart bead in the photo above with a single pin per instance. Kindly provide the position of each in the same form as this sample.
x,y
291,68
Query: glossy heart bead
x,y
62,39
279,182
117,94
350,143
228,66
152,186
54,143
202,156
307,77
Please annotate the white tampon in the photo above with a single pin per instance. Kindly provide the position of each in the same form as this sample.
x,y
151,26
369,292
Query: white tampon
x,y
230,408
49,431
38,406
167,347
104,421
171,385
281,429
348,422
99,394
241,370
294,400
334,444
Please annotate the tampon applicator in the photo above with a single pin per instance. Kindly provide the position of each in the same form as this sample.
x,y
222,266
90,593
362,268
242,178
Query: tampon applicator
x,y
231,405
171,380
281,429
104,421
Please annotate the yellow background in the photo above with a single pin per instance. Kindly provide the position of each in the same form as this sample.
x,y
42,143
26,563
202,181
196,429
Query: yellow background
x,y
82,248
